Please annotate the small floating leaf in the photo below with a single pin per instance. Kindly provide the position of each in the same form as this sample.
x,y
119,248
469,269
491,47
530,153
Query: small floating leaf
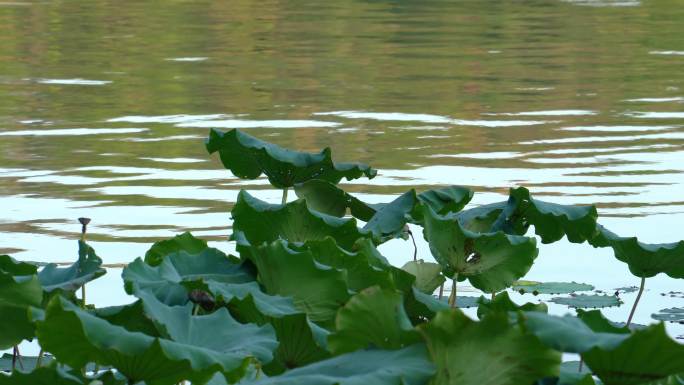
x,y
588,301
248,157
550,287
675,314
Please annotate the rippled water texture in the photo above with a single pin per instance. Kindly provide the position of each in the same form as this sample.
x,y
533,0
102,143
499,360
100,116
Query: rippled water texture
x,y
104,106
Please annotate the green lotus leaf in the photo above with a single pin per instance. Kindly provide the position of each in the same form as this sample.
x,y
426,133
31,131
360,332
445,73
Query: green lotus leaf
x,y
165,280
570,334
675,314
43,376
259,222
132,317
487,352
19,290
76,338
217,331
446,200
435,304
248,157
490,261
480,219
598,323
502,303
644,259
550,287
183,242
300,341
584,301
428,275
571,374
87,268
646,355
677,379
374,318
318,290
327,198
363,268
407,366
389,221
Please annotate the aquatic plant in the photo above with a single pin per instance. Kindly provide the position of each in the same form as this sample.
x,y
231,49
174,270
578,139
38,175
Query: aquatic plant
x,y
311,300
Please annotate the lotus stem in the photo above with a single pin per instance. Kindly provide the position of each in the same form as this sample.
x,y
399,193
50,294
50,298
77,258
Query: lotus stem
x,y
83,295
40,358
581,364
452,296
16,357
195,310
493,295
284,196
636,301
415,248
441,291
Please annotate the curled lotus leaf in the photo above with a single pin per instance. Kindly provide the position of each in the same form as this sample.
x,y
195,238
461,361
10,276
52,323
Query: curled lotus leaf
x,y
490,261
428,275
165,280
248,157
327,198
256,222
550,287
408,366
502,303
644,259
452,337
183,242
317,289
584,301
374,318
76,338
19,290
87,268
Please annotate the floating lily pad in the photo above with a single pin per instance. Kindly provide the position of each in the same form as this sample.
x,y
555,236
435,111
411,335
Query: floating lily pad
x,y
585,301
550,287
627,289
675,314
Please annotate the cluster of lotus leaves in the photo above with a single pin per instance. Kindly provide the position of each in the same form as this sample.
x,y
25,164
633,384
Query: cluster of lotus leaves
x,y
309,299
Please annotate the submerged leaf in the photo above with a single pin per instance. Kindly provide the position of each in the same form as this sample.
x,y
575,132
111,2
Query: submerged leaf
x,y
259,222
487,352
588,301
407,366
491,261
248,157
87,268
374,318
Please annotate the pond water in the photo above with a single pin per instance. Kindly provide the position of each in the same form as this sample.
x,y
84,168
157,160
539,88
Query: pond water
x,y
104,107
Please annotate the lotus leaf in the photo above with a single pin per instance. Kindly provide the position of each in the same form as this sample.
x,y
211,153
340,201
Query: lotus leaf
x,y
248,157
327,198
318,290
588,301
69,279
503,303
76,338
19,290
373,318
407,366
165,279
261,222
675,314
644,259
465,353
491,261
428,275
183,242
389,221
434,304
132,317
550,287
